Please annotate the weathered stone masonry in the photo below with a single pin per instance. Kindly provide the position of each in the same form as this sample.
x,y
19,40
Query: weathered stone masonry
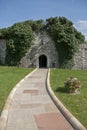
x,y
80,58
44,54
2,51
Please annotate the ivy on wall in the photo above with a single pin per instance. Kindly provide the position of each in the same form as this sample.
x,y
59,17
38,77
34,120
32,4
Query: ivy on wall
x,y
67,39
19,38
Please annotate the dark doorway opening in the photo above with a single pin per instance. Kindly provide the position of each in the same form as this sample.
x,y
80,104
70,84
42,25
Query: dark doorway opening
x,y
42,61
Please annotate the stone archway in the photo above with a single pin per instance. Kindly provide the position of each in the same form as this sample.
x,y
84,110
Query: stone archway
x,y
42,61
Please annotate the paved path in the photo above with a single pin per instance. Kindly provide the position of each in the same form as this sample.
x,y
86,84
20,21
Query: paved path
x,y
33,109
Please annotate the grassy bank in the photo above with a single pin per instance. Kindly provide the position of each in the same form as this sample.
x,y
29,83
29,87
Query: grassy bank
x,y
9,77
76,104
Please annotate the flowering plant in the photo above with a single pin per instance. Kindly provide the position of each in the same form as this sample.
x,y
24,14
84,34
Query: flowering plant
x,y
72,84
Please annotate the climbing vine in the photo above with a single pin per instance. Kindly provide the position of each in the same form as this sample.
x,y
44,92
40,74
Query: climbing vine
x,y
66,37
19,38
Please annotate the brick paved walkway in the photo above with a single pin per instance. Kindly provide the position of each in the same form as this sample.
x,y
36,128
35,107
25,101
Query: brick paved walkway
x,y
33,109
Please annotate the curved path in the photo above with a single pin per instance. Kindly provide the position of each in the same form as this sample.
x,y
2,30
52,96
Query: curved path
x,y
32,107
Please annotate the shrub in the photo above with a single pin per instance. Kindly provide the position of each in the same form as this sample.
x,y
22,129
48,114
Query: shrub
x,y
72,84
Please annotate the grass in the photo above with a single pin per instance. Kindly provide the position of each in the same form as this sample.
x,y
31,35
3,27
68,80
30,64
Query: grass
x,y
9,77
76,104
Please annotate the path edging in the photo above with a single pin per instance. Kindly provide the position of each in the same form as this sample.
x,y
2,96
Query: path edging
x,y
5,111
73,121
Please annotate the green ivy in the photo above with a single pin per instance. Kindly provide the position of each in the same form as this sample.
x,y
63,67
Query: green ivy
x,y
67,39
19,38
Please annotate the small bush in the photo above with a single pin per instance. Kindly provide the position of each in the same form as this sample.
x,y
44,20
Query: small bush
x,y
72,84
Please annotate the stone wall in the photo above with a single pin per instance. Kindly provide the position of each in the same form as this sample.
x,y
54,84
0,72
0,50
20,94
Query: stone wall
x,y
42,45
80,58
2,51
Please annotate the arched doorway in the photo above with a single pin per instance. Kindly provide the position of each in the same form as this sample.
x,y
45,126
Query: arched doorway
x,y
42,61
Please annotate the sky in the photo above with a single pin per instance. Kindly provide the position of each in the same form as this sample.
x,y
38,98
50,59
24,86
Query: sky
x,y
13,11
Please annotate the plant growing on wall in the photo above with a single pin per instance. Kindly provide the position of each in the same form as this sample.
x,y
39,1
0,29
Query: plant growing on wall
x,y
66,37
19,38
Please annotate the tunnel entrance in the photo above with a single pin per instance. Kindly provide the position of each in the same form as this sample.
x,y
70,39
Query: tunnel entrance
x,y
42,61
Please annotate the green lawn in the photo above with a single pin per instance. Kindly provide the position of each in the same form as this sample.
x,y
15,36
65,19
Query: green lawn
x,y
76,104
9,77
